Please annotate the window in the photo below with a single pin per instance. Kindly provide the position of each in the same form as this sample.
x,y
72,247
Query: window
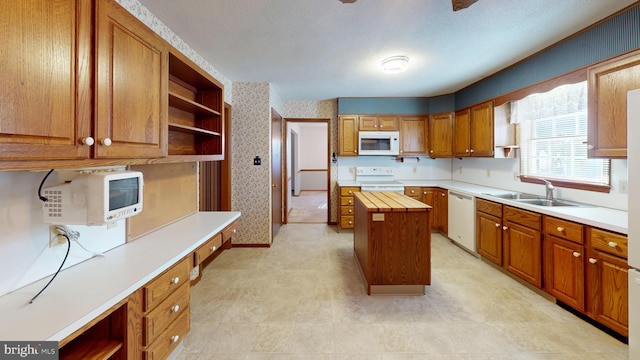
x,y
553,135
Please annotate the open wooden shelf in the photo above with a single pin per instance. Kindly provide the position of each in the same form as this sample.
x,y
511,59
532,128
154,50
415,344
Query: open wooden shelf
x,y
191,106
192,130
99,349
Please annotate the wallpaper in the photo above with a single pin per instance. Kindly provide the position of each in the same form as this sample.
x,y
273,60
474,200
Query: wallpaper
x,y
144,15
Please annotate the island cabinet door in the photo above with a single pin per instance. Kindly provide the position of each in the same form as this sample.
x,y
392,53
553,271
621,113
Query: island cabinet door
x,y
523,252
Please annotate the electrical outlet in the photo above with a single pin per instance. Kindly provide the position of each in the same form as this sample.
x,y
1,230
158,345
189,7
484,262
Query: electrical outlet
x,y
488,172
623,186
55,238
194,273
460,170
516,176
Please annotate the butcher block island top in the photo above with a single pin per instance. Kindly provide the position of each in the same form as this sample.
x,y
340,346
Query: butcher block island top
x,y
392,243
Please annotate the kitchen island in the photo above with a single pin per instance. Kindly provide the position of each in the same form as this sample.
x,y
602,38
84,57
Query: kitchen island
x,y
392,243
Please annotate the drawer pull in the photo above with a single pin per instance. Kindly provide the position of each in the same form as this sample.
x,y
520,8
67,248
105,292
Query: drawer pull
x,y
413,191
234,231
350,211
175,308
560,229
175,338
213,248
424,193
350,192
505,228
350,202
350,222
613,244
592,260
497,225
576,254
175,280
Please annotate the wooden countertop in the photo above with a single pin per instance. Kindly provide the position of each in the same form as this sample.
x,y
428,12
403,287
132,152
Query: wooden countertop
x,y
389,201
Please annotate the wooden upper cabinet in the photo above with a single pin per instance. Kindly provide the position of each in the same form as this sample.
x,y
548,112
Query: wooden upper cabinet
x,y
461,128
131,86
378,123
46,108
441,135
481,130
348,135
413,135
608,84
473,131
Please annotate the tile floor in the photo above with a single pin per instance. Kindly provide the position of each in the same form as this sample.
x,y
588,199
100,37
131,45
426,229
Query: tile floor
x,y
304,299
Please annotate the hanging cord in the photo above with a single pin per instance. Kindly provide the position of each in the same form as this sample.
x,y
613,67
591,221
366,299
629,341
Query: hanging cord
x,y
74,236
44,199
58,271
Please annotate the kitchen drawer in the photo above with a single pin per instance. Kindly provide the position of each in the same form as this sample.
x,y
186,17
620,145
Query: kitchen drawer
x,y
164,314
523,217
346,200
413,191
346,210
609,242
564,229
229,231
489,207
166,283
348,190
206,249
346,222
169,339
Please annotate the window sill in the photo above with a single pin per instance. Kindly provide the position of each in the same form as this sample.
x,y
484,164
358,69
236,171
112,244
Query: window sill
x,y
567,184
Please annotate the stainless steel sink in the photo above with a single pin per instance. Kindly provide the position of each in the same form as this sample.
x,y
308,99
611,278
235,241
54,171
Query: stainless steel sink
x,y
516,196
545,202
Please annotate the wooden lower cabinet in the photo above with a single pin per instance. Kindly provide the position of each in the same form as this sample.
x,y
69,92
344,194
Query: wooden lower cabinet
x,y
347,206
564,271
489,237
607,280
523,252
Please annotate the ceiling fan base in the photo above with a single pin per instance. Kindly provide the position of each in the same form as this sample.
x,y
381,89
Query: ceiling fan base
x,y
460,4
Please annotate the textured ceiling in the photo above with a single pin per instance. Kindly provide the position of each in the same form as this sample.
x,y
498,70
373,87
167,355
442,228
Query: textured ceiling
x,y
322,49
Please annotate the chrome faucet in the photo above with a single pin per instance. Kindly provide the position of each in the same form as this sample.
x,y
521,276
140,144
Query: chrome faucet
x,y
549,186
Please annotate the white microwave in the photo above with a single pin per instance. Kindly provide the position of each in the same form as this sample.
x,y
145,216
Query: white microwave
x,y
379,143
94,198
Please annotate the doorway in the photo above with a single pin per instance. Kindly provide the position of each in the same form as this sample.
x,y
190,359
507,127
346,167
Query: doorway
x,y
306,174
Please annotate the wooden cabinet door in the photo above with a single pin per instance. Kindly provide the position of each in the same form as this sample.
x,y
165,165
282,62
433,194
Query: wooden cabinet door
x,y
489,237
564,271
441,199
368,123
481,129
461,129
387,123
428,198
608,84
441,135
413,135
131,86
46,78
608,291
523,252
348,135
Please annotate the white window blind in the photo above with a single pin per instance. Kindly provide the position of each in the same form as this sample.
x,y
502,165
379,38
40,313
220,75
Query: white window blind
x,y
553,135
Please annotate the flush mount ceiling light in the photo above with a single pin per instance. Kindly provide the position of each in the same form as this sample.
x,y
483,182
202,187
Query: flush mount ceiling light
x,y
395,64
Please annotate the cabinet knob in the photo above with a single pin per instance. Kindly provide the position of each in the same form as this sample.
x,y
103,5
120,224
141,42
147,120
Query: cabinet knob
x,y
350,222
590,147
560,229
175,280
497,225
413,191
424,193
613,244
442,194
505,228
576,254
88,141
350,192
592,260
431,151
106,142
466,150
471,151
175,338
175,308
350,211
355,151
375,125
213,248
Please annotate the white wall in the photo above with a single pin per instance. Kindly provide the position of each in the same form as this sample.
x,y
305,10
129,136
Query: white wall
x,y
25,255
313,156
413,168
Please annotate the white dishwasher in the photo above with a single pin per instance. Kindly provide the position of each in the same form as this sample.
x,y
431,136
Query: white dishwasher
x,y
461,218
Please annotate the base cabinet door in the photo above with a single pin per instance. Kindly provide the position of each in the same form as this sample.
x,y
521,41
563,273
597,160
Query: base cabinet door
x,y
489,237
564,271
609,291
523,252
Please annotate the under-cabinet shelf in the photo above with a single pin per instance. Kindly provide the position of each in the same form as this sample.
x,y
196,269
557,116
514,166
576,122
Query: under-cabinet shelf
x,y
192,130
92,350
191,106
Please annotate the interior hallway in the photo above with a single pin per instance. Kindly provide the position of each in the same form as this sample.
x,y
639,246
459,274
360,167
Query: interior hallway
x,y
303,298
308,207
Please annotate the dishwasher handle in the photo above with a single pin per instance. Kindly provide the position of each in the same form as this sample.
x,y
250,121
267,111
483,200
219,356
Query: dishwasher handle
x,y
460,196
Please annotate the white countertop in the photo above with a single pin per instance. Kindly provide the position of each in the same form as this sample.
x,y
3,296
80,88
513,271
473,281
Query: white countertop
x,y
601,217
81,293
